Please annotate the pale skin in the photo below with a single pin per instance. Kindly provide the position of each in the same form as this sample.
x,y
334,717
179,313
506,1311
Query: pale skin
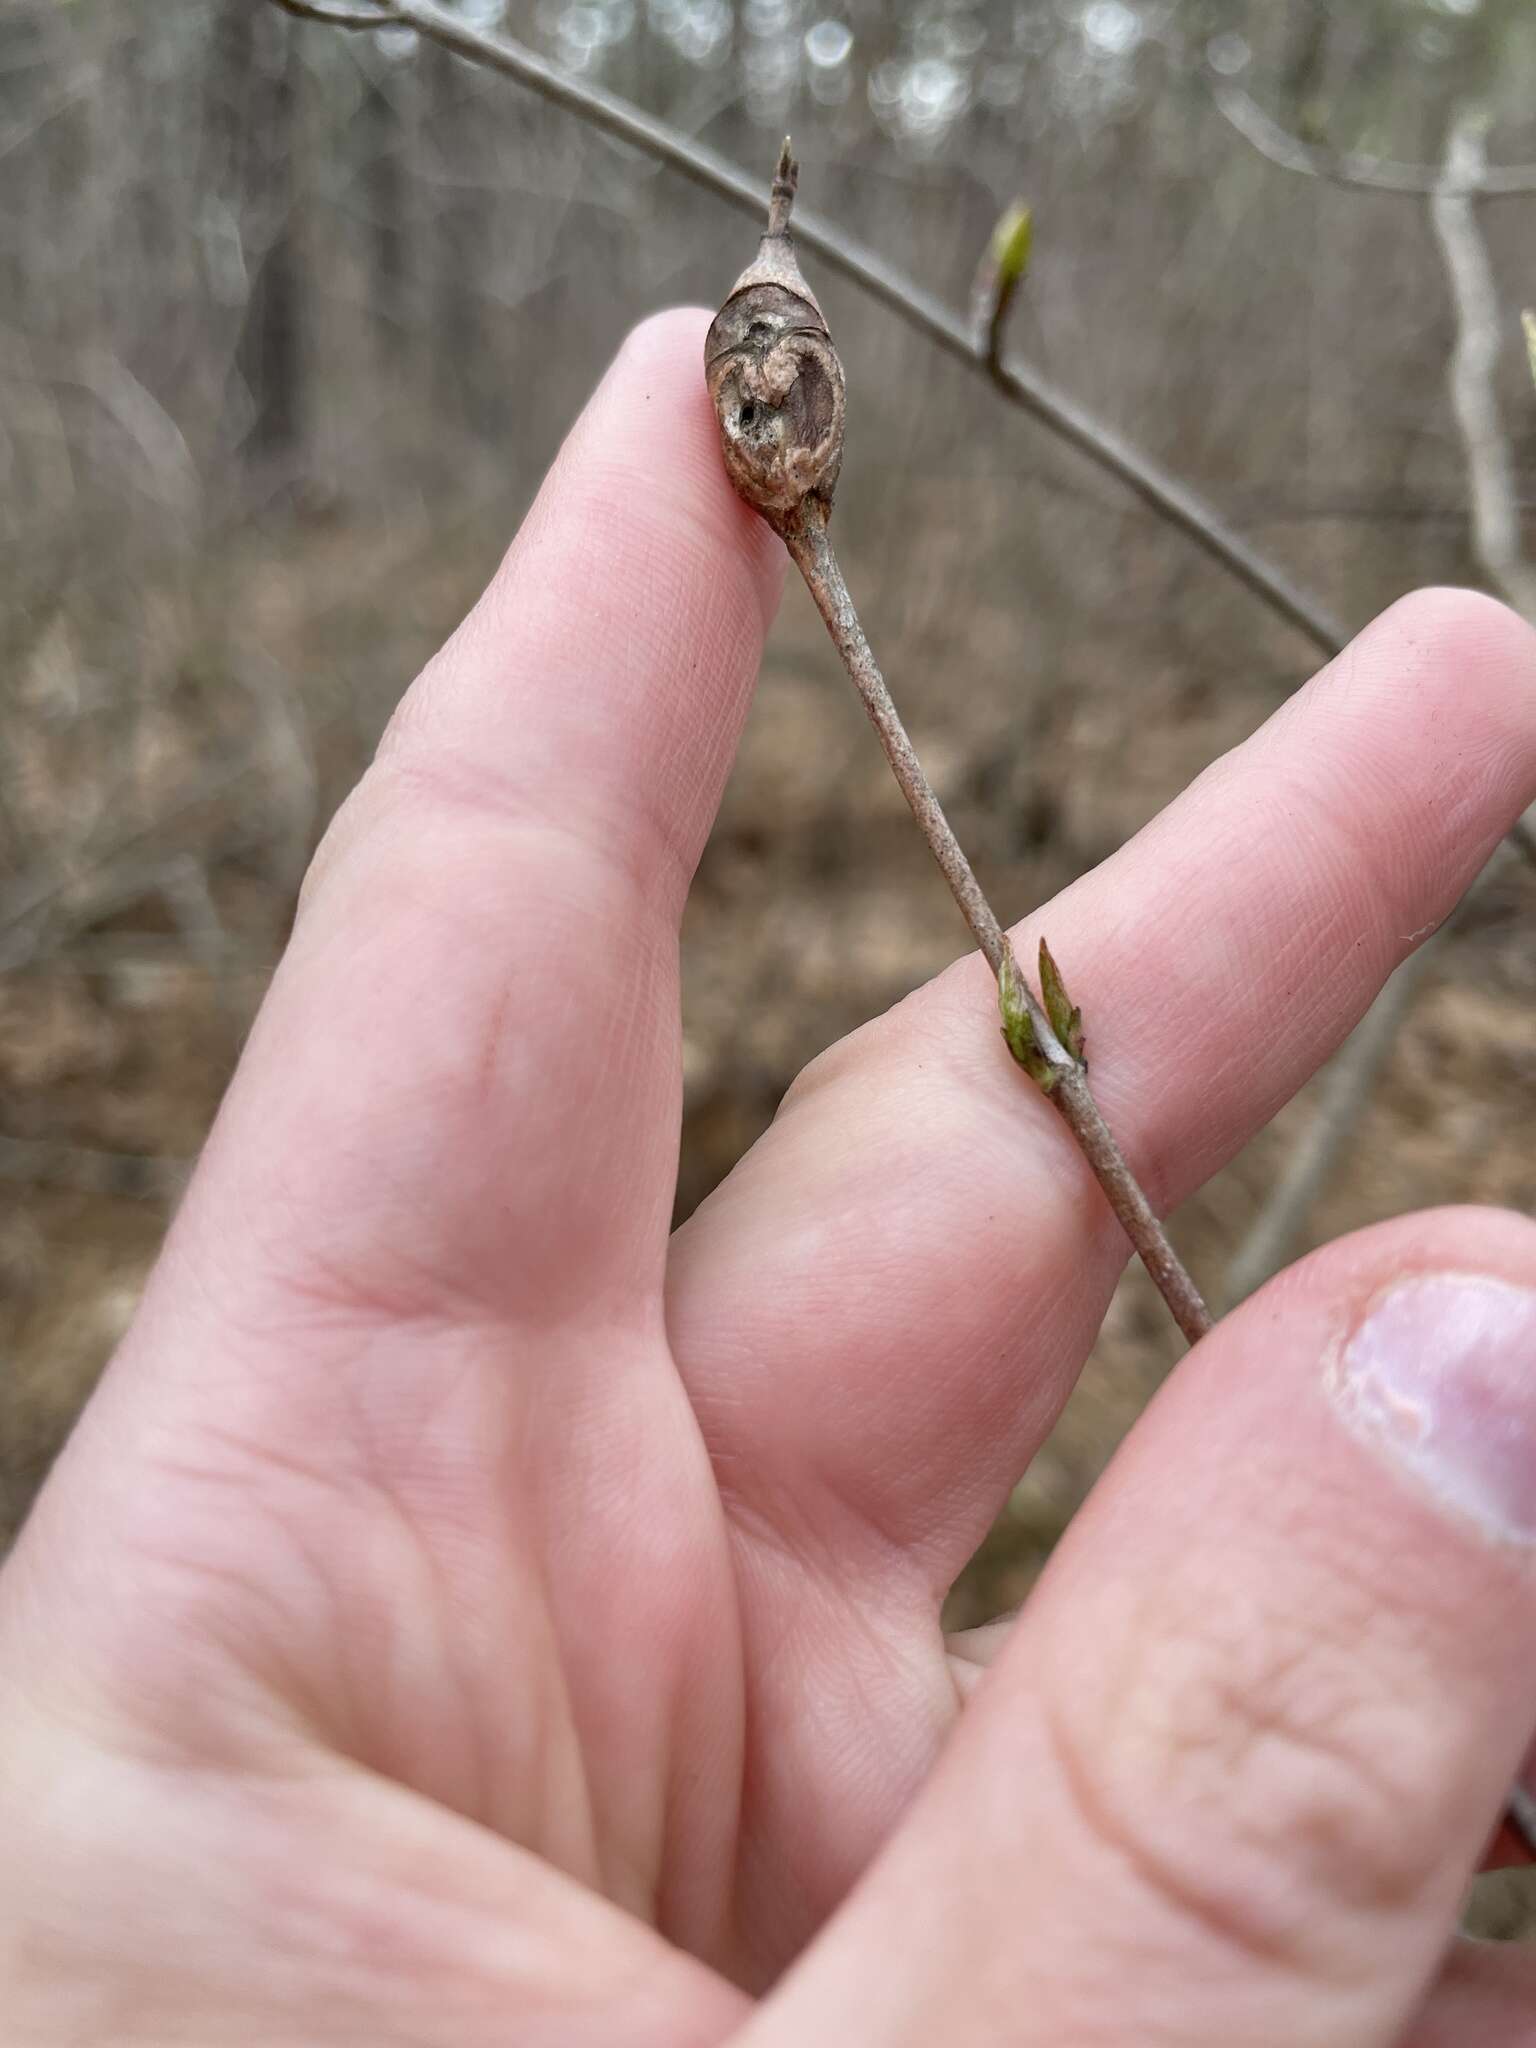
x,y
466,1616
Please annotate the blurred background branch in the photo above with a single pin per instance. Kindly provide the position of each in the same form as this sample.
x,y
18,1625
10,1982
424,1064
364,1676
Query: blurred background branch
x,y
1016,381
1277,1230
1364,173
1482,335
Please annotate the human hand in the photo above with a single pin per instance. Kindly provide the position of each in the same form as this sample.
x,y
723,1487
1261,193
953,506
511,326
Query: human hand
x,y
465,1617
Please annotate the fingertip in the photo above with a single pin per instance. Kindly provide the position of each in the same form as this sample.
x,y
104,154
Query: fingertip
x,y
674,450
1451,672
1423,1329
665,334
1458,628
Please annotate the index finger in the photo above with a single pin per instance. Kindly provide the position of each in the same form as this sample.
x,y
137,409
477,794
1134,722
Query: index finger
x,y
480,997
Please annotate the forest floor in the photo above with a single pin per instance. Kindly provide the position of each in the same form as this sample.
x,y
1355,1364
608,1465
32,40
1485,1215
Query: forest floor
x,y
815,909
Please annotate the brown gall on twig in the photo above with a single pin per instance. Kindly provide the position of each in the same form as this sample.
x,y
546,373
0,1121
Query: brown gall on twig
x,y
774,376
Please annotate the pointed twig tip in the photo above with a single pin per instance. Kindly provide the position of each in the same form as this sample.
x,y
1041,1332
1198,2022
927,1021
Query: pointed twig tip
x,y
1066,1019
781,200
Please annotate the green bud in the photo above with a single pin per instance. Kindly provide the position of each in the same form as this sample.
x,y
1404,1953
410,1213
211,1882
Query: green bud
x,y
1066,1019
1011,240
1019,1032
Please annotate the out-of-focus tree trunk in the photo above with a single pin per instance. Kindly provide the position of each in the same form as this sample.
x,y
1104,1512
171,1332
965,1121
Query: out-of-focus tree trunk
x,y
272,354
383,142
462,237
254,91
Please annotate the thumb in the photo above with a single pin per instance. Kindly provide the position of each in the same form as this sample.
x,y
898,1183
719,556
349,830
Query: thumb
x,y
1228,1778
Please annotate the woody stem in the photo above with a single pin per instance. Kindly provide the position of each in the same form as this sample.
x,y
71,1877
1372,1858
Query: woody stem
x,y
805,535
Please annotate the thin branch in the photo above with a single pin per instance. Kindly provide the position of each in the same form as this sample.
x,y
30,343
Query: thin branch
x,y
811,548
57,899
808,543
1349,169
1495,507
339,17
1019,383
1346,1095
87,1170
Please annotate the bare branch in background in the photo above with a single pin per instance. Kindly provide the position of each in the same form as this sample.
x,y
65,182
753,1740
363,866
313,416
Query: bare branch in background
x,y
42,910
1021,384
1495,506
187,894
293,820
1453,190
338,17
87,1170
1346,1094
1496,543
1348,1085
147,424
1348,169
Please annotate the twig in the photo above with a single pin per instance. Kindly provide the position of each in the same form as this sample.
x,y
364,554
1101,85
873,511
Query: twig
x,y
777,387
1066,1079
1474,365
1346,1094
1018,382
339,17
1348,169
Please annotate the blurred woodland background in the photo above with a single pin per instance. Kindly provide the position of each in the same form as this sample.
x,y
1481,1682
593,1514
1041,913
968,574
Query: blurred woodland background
x,y
292,321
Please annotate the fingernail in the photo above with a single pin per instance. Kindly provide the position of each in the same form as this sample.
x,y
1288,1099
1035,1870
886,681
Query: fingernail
x,y
1441,1375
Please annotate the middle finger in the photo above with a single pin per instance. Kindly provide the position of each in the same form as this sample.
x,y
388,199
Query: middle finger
x,y
880,1313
